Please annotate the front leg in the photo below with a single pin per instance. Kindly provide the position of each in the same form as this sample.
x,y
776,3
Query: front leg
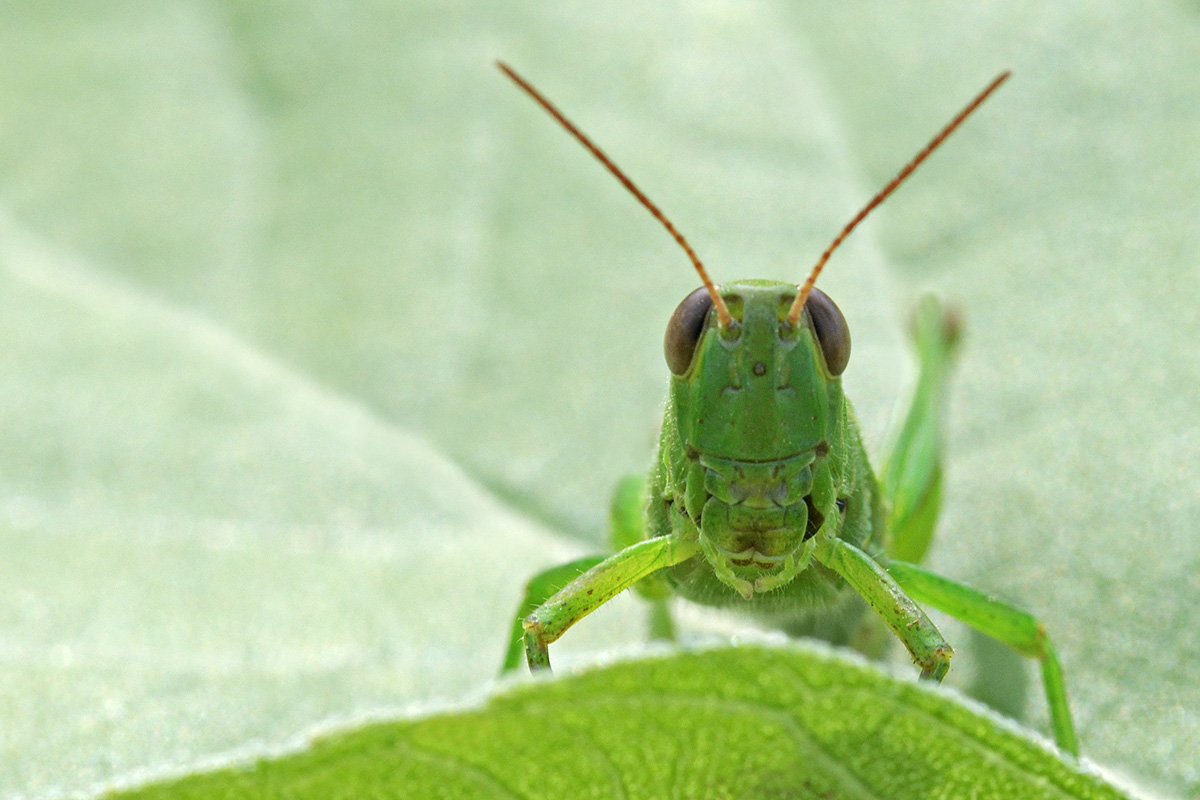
x,y
540,588
906,619
596,587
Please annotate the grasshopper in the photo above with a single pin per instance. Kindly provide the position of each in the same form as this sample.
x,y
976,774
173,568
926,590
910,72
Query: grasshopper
x,y
761,497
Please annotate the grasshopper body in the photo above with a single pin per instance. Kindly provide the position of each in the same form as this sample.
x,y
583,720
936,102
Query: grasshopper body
x,y
762,497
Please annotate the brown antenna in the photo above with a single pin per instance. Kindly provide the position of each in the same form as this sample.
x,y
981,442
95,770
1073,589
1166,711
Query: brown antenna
x,y
722,310
793,317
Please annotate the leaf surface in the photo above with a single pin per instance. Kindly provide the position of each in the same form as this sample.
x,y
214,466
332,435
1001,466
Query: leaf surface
x,y
746,722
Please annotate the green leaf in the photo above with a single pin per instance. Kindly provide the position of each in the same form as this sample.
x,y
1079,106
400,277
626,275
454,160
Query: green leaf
x,y
746,722
316,337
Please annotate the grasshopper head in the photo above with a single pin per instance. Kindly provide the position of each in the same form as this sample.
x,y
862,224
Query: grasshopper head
x,y
757,408
759,389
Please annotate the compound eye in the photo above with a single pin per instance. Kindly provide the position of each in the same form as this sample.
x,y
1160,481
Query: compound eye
x,y
832,331
684,330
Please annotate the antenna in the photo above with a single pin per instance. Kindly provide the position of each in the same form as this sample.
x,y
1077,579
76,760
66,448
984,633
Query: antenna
x,y
722,310
793,317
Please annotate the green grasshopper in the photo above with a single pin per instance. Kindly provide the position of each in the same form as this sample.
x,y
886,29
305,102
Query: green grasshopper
x,y
761,497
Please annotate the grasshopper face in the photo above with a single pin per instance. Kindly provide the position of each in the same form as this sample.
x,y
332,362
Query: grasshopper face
x,y
757,405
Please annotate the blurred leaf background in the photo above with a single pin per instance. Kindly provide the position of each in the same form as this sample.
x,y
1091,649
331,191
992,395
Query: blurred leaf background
x,y
316,338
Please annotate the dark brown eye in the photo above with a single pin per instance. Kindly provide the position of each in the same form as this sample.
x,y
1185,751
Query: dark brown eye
x,y
684,329
832,331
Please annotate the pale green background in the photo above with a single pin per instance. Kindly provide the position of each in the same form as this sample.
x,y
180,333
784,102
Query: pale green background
x,y
316,337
